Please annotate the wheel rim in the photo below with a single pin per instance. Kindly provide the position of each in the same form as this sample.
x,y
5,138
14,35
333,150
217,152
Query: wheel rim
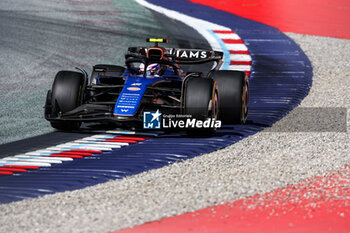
x,y
216,105
245,97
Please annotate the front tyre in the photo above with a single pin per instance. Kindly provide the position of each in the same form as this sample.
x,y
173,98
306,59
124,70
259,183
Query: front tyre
x,y
66,95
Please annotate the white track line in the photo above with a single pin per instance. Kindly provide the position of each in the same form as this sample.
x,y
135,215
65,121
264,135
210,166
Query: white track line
x,y
39,160
44,156
116,132
26,163
238,47
240,67
94,140
215,35
199,25
80,146
80,143
240,57
232,36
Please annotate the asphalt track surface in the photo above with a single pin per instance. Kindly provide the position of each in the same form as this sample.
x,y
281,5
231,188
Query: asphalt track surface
x,y
40,38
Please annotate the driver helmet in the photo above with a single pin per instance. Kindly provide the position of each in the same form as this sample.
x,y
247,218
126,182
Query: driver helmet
x,y
152,69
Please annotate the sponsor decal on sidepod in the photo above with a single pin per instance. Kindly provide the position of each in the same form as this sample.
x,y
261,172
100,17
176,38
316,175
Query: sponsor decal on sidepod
x,y
133,88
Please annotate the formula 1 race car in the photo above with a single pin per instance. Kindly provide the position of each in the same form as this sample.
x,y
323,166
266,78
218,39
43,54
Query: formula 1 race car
x,y
152,80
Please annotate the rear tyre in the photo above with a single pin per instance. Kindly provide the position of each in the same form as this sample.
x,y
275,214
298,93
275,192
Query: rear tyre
x,y
201,101
65,96
233,95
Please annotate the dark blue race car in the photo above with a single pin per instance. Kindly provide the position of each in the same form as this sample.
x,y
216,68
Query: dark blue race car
x,y
152,79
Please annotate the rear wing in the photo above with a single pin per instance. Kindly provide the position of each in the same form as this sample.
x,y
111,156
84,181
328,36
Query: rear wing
x,y
195,56
182,56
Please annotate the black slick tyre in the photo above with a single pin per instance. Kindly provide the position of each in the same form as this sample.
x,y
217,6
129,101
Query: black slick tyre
x,y
201,101
66,95
233,96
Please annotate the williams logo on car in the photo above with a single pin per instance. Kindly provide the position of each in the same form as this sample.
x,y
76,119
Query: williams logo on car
x,y
192,54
